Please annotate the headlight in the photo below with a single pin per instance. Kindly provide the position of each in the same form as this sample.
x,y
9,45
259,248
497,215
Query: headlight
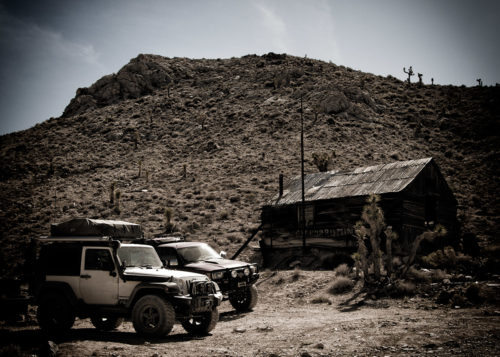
x,y
246,272
234,273
253,269
183,286
217,275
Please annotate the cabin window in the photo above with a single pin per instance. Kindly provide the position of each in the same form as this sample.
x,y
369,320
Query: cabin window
x,y
309,214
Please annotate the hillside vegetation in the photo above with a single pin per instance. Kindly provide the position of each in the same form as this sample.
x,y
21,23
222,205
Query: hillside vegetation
x,y
206,140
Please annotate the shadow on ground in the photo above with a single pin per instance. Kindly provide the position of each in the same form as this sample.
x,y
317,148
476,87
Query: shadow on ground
x,y
33,338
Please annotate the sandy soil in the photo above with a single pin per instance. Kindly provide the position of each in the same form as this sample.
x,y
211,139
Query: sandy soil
x,y
286,323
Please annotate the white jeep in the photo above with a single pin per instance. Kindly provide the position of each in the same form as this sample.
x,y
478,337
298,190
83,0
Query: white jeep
x,y
100,278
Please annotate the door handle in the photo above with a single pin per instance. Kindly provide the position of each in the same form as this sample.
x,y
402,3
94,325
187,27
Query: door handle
x,y
86,276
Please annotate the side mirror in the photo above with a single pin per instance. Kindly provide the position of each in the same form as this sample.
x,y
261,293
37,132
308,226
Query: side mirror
x,y
123,266
223,254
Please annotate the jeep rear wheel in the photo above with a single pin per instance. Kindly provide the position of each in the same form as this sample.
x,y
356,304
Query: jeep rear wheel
x,y
55,313
202,325
244,300
106,323
153,316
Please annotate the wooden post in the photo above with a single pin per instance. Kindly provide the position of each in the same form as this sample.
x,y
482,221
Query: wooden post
x,y
303,223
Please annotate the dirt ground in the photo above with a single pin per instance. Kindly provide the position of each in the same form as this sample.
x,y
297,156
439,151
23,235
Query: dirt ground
x,y
285,322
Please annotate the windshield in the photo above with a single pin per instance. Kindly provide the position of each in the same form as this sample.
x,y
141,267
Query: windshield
x,y
197,253
139,256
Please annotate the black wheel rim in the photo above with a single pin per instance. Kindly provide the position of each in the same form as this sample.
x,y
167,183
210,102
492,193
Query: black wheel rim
x,y
150,318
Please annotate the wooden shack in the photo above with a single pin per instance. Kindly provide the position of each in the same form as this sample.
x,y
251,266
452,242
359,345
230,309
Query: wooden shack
x,y
413,195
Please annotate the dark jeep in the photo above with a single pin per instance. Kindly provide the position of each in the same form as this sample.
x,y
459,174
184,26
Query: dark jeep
x,y
235,278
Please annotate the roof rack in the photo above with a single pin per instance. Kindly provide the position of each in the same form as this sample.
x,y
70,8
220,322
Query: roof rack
x,y
160,240
76,239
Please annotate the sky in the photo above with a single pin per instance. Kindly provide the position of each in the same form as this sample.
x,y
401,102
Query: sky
x,y
49,48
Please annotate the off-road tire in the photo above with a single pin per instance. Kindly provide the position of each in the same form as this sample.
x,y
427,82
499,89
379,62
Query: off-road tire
x,y
106,323
55,313
202,325
153,316
244,300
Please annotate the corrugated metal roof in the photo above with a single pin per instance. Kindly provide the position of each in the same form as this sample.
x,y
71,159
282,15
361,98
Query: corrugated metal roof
x,y
378,179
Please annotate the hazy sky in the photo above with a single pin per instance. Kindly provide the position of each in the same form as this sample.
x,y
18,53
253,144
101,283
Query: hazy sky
x,y
49,48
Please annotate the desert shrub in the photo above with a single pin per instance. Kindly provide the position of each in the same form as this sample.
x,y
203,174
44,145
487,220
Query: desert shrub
x,y
472,293
488,294
233,238
341,285
322,299
330,261
419,275
492,265
279,280
403,288
296,274
342,270
470,246
223,215
10,351
441,258
210,197
438,275
321,161
466,262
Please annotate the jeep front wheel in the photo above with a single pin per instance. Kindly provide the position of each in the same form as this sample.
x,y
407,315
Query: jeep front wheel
x,y
106,323
55,313
244,300
202,325
153,316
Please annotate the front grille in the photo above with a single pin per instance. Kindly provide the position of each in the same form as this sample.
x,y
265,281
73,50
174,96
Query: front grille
x,y
202,288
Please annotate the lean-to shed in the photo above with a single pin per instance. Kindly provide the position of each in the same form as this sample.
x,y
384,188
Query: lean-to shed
x,y
413,194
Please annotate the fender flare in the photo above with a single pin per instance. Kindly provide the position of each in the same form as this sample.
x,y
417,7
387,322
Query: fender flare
x,y
165,289
59,287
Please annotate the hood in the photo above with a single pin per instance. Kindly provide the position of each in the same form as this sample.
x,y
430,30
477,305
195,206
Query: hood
x,y
216,264
161,274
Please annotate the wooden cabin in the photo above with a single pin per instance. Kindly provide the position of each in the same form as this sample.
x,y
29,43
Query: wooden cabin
x,y
413,195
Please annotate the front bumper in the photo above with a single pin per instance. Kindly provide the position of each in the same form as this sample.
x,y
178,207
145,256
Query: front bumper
x,y
187,306
232,285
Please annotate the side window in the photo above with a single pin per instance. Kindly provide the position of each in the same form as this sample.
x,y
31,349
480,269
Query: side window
x,y
60,259
98,259
168,255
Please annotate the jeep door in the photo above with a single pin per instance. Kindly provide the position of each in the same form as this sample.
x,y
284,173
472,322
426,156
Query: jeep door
x,y
98,277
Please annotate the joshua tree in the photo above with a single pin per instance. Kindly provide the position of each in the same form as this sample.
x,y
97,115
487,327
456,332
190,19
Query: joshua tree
x,y
137,139
112,192
370,228
479,82
409,73
420,75
184,170
118,194
140,169
432,81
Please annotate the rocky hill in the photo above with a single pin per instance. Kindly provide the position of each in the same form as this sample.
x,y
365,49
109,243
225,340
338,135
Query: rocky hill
x,y
206,141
